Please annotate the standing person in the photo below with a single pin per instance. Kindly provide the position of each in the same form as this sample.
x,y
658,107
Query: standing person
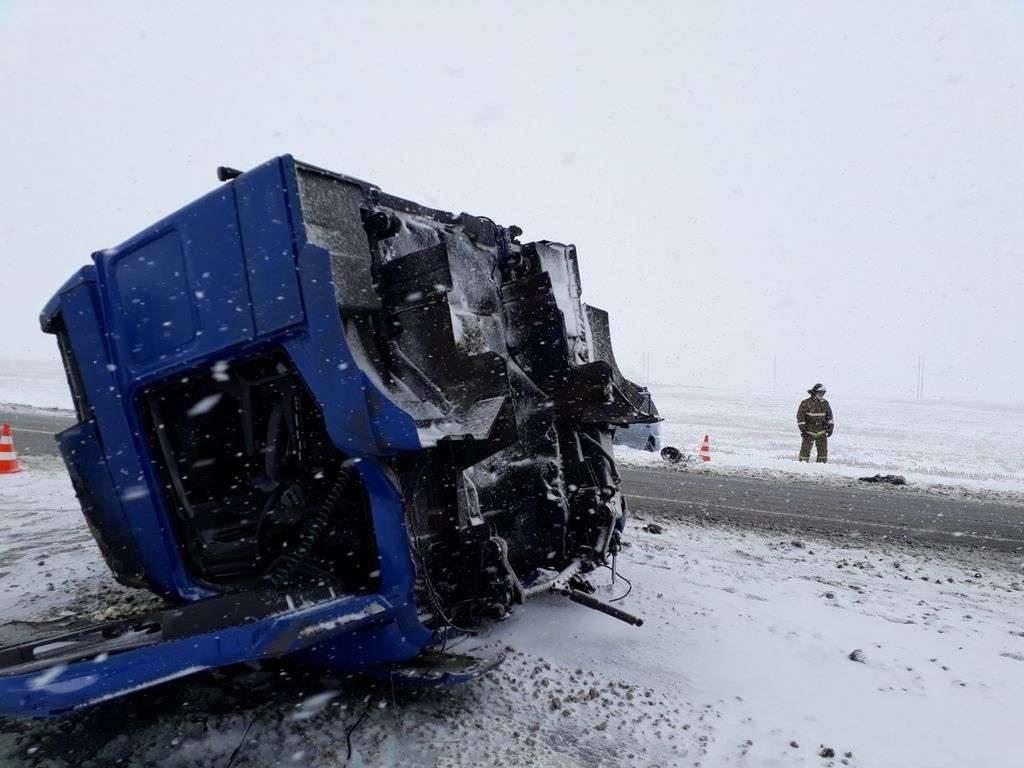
x,y
814,420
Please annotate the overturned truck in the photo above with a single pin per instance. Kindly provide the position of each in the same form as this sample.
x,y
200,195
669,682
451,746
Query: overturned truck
x,y
327,423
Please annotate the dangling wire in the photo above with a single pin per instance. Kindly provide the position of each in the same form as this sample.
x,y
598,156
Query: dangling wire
x,y
351,729
619,574
316,521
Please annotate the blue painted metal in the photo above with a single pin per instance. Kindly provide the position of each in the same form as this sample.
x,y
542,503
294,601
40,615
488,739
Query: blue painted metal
x,y
226,277
267,240
356,419
353,624
151,553
83,454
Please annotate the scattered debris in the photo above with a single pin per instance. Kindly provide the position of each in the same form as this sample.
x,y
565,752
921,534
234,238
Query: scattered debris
x,y
856,655
672,455
826,751
889,479
653,528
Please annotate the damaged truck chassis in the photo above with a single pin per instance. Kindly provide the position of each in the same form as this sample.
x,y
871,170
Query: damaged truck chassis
x,y
327,423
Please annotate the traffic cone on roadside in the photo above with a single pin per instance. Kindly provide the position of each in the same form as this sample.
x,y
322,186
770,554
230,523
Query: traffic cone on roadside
x,y
705,449
8,456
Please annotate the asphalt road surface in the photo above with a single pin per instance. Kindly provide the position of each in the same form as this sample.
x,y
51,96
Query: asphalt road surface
x,y
865,509
868,510
34,430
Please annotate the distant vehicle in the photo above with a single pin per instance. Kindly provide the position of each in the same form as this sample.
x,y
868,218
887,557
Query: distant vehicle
x,y
646,437
643,437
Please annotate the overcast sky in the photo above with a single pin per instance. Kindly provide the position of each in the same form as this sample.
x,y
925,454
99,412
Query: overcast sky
x,y
839,186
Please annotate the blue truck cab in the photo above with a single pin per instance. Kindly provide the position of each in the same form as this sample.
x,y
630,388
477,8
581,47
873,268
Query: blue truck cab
x,y
326,423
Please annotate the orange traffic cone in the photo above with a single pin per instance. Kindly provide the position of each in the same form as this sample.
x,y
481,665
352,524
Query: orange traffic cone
x,y
705,449
8,456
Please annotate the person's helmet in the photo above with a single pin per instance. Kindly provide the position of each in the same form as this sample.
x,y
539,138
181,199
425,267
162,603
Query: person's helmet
x,y
817,389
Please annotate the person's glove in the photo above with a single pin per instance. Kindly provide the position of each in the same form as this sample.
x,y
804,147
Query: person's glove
x,y
829,429
804,433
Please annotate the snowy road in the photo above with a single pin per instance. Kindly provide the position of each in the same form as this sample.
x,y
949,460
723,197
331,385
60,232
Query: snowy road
x,y
34,428
868,510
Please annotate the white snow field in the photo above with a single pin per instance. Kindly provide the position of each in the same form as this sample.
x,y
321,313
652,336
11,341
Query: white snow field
x,y
744,660
40,383
975,446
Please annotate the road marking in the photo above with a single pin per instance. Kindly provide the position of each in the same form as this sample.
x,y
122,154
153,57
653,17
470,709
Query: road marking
x,y
34,431
822,518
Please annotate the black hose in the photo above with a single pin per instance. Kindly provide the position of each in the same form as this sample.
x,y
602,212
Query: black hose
x,y
592,602
311,529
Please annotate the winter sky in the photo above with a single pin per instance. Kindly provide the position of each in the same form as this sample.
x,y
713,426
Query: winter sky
x,y
837,185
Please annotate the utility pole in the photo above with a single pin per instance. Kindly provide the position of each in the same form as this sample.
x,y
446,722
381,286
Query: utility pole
x,y
645,367
775,372
920,377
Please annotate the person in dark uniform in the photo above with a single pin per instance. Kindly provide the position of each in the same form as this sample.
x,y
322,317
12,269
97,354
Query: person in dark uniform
x,y
815,422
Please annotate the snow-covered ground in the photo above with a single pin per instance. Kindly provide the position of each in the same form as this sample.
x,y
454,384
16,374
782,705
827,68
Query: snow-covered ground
x,y
50,567
34,382
973,446
744,660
